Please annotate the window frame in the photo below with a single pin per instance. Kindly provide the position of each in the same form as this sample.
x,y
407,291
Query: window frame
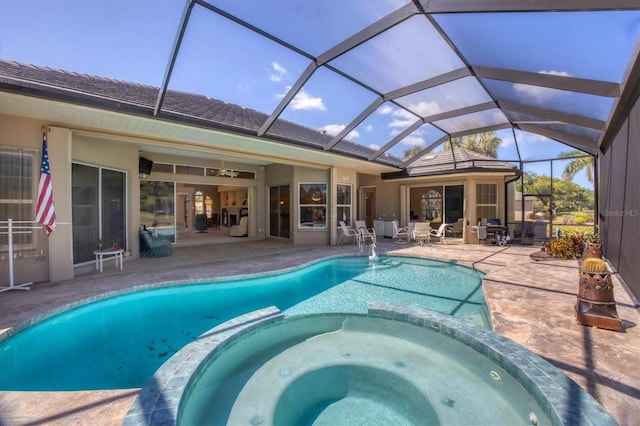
x,y
348,190
312,213
493,205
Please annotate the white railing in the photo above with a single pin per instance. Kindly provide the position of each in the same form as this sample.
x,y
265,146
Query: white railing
x,y
12,227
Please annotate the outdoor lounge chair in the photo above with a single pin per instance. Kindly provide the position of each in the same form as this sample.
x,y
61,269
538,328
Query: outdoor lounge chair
x,y
456,228
401,235
348,232
366,233
421,232
440,233
154,246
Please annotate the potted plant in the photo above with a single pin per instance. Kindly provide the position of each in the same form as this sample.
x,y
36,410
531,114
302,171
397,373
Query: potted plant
x,y
115,243
100,243
596,305
592,246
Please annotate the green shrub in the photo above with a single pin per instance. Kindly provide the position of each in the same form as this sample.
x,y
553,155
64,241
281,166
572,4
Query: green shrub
x,y
580,220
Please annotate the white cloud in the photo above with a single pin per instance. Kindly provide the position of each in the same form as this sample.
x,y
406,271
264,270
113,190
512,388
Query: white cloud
x,y
386,110
305,102
402,119
369,128
538,93
279,72
413,140
426,109
374,146
334,129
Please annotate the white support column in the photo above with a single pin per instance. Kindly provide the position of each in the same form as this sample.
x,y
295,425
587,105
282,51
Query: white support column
x,y
60,240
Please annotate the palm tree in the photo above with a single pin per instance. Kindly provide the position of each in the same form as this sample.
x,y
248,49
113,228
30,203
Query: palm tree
x,y
582,162
485,143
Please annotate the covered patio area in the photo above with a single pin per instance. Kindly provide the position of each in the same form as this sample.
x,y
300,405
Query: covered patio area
x,y
530,302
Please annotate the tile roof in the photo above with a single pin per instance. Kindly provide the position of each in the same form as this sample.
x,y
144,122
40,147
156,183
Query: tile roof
x,y
459,160
178,106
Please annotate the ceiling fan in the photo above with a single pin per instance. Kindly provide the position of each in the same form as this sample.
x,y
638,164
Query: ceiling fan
x,y
226,172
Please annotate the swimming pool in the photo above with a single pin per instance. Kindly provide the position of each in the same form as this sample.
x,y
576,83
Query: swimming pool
x,y
119,341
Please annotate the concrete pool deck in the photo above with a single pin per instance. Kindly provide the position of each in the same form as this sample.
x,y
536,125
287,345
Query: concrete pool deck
x,y
531,303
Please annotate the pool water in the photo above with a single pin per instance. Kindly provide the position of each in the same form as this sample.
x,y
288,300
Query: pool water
x,y
119,342
347,369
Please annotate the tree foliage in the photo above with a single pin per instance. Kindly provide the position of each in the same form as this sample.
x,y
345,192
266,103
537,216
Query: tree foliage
x,y
408,153
577,164
486,143
567,195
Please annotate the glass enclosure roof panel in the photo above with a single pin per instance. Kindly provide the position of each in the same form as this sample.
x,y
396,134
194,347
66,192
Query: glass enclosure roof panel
x,y
313,26
537,147
456,94
476,120
577,131
508,149
592,45
327,102
69,34
381,126
418,140
410,52
226,61
593,106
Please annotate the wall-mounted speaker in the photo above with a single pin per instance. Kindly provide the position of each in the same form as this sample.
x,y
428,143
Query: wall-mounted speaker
x,y
144,166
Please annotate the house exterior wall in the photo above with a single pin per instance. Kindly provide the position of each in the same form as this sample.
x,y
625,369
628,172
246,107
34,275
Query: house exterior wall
x,y
391,205
121,153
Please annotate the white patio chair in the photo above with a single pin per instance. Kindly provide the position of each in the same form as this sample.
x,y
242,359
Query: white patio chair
x,y
401,235
440,233
366,233
349,232
421,233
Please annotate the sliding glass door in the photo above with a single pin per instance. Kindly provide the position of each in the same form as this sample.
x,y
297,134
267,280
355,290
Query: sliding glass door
x,y
98,210
279,223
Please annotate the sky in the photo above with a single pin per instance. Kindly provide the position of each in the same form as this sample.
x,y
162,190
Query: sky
x,y
131,40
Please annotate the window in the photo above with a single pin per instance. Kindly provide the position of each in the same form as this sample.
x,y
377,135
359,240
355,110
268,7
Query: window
x,y
486,200
18,186
431,205
98,200
344,203
199,201
313,205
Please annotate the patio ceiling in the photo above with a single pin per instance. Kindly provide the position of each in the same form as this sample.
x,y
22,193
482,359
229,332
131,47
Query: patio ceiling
x,y
383,81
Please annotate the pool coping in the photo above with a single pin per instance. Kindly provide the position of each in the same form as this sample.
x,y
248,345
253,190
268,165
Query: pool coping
x,y
563,400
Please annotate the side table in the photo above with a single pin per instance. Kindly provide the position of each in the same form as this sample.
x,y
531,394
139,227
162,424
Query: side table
x,y
102,255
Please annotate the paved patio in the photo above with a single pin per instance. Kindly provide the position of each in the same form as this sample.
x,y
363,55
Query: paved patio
x,y
531,303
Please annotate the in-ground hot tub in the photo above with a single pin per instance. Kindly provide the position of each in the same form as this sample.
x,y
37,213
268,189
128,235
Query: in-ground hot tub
x,y
397,364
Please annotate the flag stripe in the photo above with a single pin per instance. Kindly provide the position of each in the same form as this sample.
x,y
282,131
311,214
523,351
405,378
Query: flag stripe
x,y
45,211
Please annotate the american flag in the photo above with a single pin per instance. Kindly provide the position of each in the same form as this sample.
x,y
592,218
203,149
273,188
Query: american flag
x,y
45,212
